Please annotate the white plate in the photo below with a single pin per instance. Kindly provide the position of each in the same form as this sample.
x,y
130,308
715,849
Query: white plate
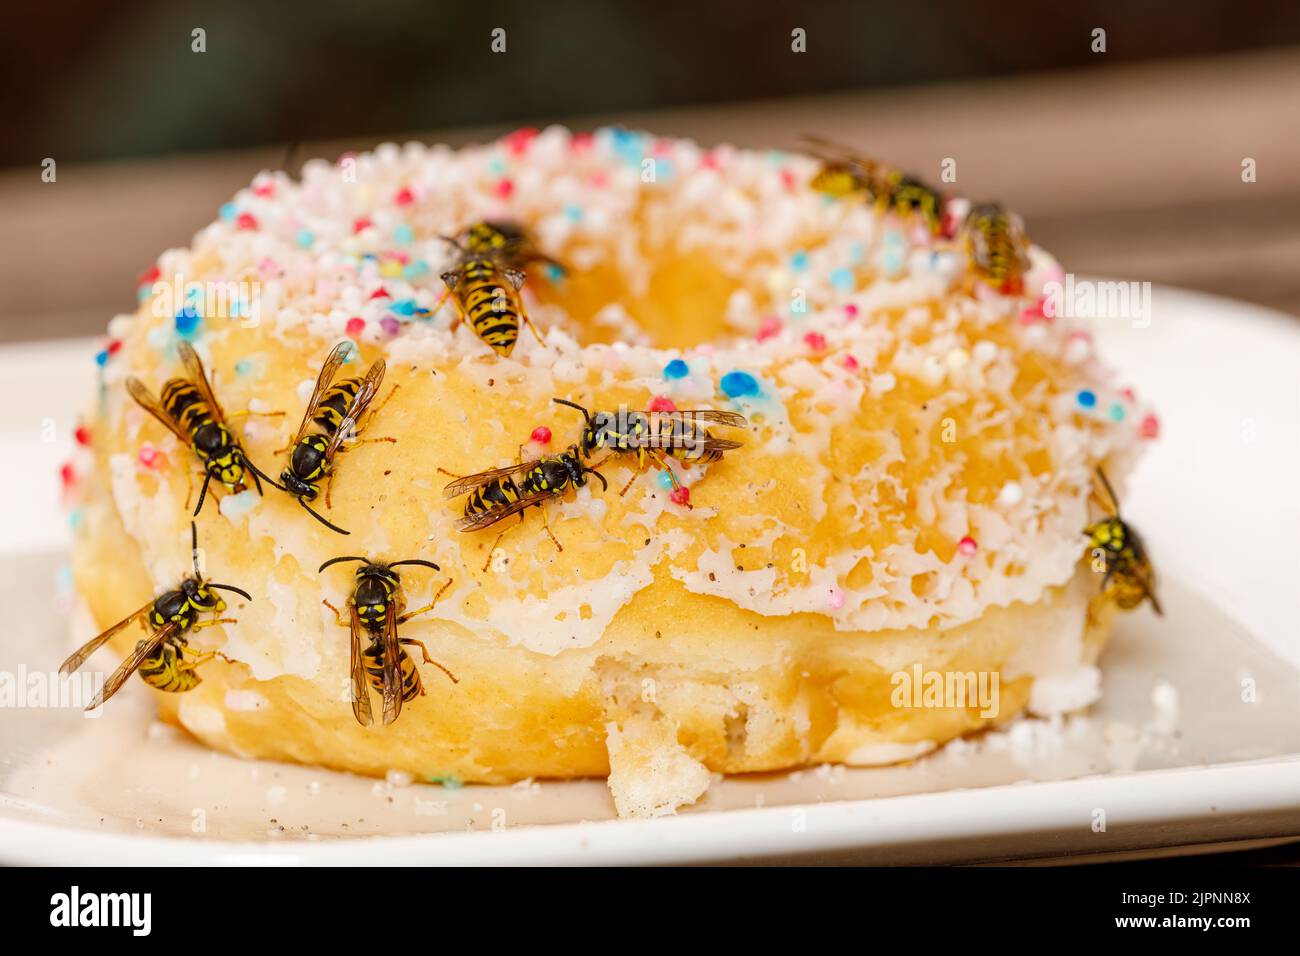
x,y
1216,497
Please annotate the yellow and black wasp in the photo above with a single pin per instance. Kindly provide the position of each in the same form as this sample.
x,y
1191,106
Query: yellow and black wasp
x,y
996,247
650,436
486,294
1130,577
845,173
495,494
507,242
160,658
376,607
335,410
193,414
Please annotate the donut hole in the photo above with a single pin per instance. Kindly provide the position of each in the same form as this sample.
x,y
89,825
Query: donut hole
x,y
680,302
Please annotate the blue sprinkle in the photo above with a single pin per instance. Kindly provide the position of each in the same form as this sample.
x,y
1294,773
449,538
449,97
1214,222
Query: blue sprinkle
x,y
403,307
245,366
799,261
573,211
842,279
554,273
1117,412
413,270
497,166
304,238
228,212
101,357
402,234
143,293
187,323
739,385
1086,398
775,157
676,369
628,145
856,253
74,518
665,479
663,168
891,261
350,355
895,238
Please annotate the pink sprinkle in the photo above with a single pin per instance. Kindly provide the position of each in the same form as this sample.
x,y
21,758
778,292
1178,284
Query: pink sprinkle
x,y
246,220
404,197
401,257
518,141
68,475
82,435
662,147
662,403
788,180
1129,394
835,599
681,495
1033,313
815,341
264,189
355,326
149,456
581,142
268,266
113,347
599,180
771,326
850,363
967,546
505,188
360,224
709,160
1150,427
148,277
380,294
850,310
541,435
390,325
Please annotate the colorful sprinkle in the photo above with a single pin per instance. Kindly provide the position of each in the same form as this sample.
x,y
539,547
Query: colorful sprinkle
x,y
681,495
739,385
82,435
403,235
390,325
815,341
149,456
799,261
770,327
665,479
1116,412
187,323
361,224
228,212
68,475
835,599
850,363
573,211
1150,427
842,279
541,435
967,546
101,357
851,310
355,326
676,369
1086,398
246,220
113,346
380,293
304,238
518,141
554,273
404,197
245,366
662,403
149,276
505,188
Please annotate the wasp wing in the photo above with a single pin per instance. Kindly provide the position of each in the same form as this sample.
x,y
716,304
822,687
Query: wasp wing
x,y
711,416
333,362
696,446
146,400
392,666
360,402
199,377
360,687
95,643
462,485
485,519
132,663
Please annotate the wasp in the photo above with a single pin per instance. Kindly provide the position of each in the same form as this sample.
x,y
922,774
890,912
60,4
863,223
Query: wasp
x,y
495,494
651,436
996,247
1129,576
375,608
193,414
160,658
335,410
486,294
846,173
508,243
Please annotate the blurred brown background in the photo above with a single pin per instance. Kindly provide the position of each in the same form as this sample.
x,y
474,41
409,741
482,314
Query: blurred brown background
x,y
1124,163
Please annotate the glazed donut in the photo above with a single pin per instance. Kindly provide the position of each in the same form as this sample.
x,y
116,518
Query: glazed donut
x,y
908,497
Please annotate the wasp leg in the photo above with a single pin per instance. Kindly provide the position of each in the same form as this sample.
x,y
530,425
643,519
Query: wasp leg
x,y
338,615
428,607
493,550
214,621
546,523
249,411
523,314
449,474
412,642
205,657
637,472
375,411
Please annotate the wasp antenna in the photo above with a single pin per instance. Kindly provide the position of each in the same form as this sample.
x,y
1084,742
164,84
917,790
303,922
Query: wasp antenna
x,y
194,547
419,561
321,518
565,401
604,485
261,475
203,492
231,587
341,558
1105,483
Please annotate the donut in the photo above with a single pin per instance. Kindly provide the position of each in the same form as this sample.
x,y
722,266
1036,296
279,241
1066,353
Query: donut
x,y
898,465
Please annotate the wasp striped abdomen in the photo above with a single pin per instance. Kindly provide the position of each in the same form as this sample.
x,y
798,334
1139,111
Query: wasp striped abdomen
x,y
167,670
